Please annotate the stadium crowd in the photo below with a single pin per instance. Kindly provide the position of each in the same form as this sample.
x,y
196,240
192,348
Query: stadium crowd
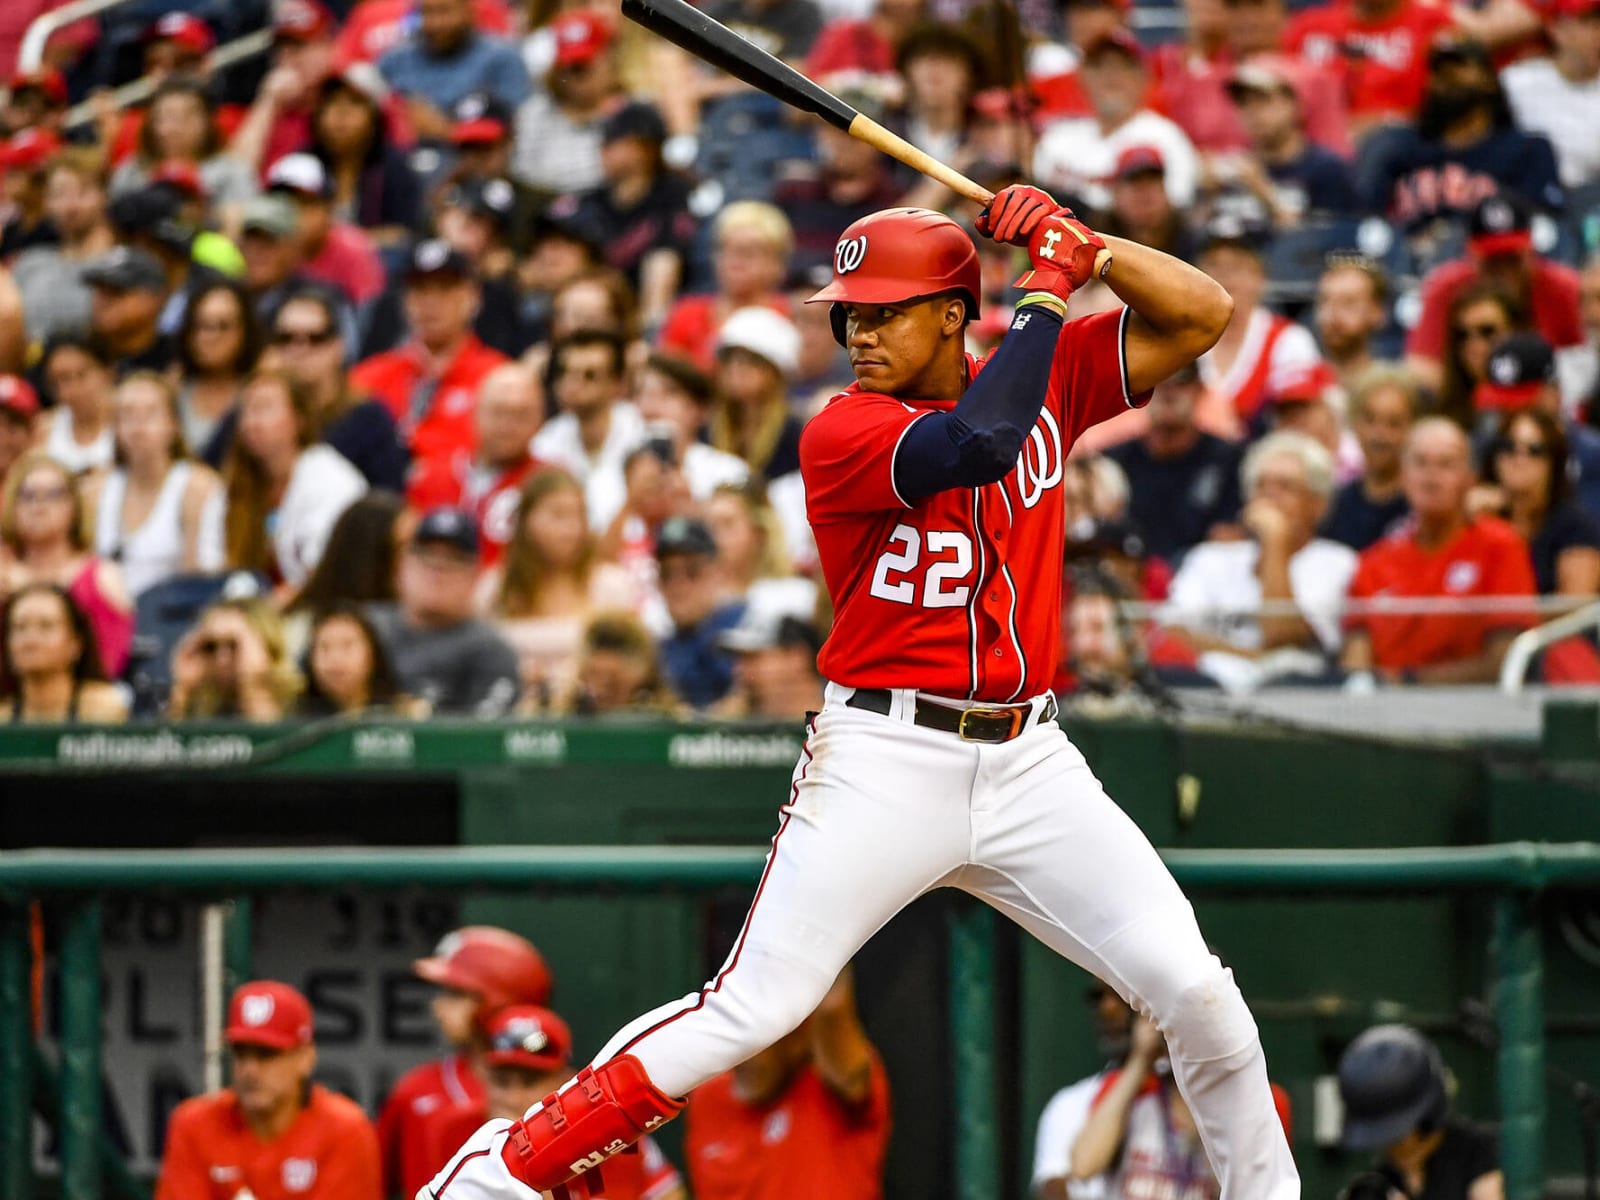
x,y
454,359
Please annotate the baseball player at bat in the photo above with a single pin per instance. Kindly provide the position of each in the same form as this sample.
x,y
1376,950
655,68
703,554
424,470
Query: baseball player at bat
x,y
934,486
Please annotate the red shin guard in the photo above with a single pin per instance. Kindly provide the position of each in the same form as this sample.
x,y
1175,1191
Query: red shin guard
x,y
602,1112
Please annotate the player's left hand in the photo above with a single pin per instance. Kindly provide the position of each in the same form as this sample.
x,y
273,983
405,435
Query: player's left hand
x,y
1015,212
1062,254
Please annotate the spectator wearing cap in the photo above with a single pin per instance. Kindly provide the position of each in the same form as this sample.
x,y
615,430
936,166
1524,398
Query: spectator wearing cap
x,y
1284,169
453,663
278,121
596,427
1055,88
35,100
332,251
1383,404
1183,481
1378,47
273,1132
1443,553
1350,310
674,399
19,413
558,134
128,289
476,971
54,298
640,214
477,217
1521,373
1559,96
784,30
180,124
177,43
1141,209
373,185
22,163
1282,588
431,381
698,668
774,663
757,352
1499,253
1077,155
752,245
863,45
1464,147
445,57
482,134
269,240
1311,402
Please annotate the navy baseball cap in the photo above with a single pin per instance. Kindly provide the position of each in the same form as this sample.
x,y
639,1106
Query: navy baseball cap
x,y
452,527
634,119
685,535
126,269
437,257
480,119
1520,365
495,199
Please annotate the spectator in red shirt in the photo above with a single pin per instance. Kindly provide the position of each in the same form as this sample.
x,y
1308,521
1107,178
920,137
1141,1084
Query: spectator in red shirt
x,y
332,251
865,46
278,122
34,100
433,1107
807,1117
1379,46
274,1134
1445,554
753,244
1499,252
431,382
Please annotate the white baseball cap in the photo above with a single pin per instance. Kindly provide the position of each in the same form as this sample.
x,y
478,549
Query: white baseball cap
x,y
764,333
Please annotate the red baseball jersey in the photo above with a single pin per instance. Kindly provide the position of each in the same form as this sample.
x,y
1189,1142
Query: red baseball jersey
x,y
492,499
431,1111
329,1153
434,413
958,594
1385,62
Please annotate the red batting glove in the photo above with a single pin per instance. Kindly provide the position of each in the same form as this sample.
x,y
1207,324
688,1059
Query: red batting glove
x,y
1061,255
1014,213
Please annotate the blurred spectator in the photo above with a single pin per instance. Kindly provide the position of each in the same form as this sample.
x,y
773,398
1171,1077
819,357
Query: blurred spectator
x,y
269,239
1521,374
219,343
475,216
1559,96
1446,554
19,414
943,69
1183,481
1396,1099
332,251
1352,296
157,513
482,137
618,669
234,665
1142,211
1582,375
488,481
155,219
374,27
307,346
824,367
477,969
45,537
809,1116
558,130
757,351
273,1128
1076,154
844,182
454,664
528,1057
749,535
1259,350
1464,146
285,490
640,213
1288,173
431,382
1479,317
14,347
177,44
1312,402
1383,404
180,125
1527,483
774,663
1283,587
25,156
279,120
597,300
863,46
753,243
76,432
595,428
550,584
54,299
1066,1112
1379,47
373,185
1500,254
128,289
359,563
698,669
49,667
674,400
785,30
655,492
1053,70
348,672
444,57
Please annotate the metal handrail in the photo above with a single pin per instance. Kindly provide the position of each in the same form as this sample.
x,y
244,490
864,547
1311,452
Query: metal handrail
x,y
1514,670
141,89
30,55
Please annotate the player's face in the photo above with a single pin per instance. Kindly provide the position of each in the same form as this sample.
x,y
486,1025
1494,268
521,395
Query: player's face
x,y
894,347
267,1080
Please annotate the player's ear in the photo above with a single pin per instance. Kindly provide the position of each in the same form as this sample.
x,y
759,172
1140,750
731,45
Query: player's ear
x,y
955,314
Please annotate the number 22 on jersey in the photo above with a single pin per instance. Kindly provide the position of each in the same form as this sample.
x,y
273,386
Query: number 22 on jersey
x,y
950,561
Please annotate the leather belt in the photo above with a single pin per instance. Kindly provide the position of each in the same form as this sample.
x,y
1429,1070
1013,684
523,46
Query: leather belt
x,y
991,723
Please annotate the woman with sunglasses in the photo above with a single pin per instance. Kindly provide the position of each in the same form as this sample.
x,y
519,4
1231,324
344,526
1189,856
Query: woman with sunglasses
x,y
219,341
51,671
1479,317
308,348
1528,484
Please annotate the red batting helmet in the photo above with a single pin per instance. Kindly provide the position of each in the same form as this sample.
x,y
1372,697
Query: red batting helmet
x,y
901,254
495,965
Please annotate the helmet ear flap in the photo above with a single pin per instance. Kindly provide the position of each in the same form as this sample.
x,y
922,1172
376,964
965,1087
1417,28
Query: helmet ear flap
x,y
836,320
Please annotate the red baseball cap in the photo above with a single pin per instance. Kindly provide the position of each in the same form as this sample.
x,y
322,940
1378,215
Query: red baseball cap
x,y
1500,224
1116,39
1576,8
480,120
1305,385
268,1013
188,30
302,21
184,176
524,1035
17,396
1139,160
1521,366
580,37
29,150
48,80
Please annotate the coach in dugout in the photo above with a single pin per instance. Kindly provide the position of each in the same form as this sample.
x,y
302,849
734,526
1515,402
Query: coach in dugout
x,y
273,1134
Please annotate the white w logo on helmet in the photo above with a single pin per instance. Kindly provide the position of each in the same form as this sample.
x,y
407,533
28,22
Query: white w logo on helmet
x,y
849,254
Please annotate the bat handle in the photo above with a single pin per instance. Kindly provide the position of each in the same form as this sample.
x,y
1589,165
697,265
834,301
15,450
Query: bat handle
x,y
896,147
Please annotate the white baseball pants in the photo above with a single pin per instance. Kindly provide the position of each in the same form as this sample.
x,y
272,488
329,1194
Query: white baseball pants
x,y
881,811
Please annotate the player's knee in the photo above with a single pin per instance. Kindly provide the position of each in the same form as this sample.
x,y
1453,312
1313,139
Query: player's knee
x,y
1206,1017
772,1000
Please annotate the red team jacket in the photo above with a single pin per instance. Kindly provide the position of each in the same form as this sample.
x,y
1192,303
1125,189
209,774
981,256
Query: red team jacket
x,y
431,1111
442,427
958,595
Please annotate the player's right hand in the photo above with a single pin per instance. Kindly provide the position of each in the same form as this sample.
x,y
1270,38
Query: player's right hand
x,y
478,1170
1015,212
1061,255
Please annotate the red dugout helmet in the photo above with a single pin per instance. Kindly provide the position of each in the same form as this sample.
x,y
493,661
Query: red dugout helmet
x,y
901,254
493,964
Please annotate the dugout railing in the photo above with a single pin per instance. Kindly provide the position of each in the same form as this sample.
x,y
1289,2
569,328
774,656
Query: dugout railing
x,y
1510,877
